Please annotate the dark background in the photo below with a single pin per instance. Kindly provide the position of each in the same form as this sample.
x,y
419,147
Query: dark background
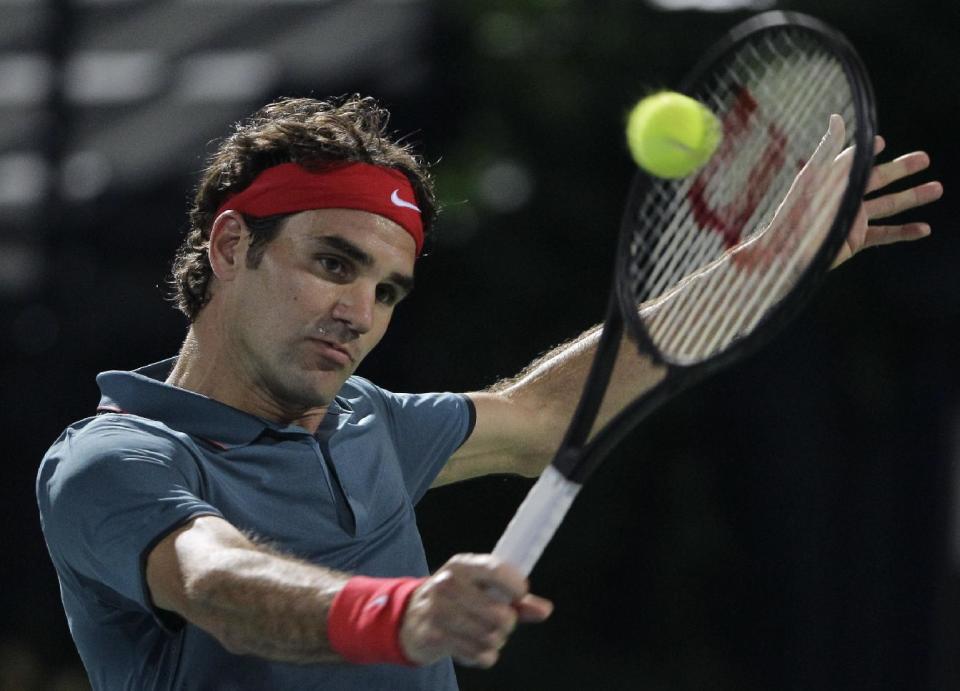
x,y
790,524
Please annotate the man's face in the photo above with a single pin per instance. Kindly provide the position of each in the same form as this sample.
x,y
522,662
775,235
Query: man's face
x,y
320,299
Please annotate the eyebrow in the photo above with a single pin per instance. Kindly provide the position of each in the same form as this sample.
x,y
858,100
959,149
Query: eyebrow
x,y
354,253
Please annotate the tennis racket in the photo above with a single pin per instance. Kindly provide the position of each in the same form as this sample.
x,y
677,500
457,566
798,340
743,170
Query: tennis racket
x,y
711,266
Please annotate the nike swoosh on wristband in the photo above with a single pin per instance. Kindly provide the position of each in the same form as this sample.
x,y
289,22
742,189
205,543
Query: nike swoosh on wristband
x,y
378,601
397,201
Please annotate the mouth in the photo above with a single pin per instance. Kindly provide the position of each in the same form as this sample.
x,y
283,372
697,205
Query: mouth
x,y
333,351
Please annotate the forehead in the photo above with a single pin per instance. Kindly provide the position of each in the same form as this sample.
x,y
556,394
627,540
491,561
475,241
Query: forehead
x,y
385,241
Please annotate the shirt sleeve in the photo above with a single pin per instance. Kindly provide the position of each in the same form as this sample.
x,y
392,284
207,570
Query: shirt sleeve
x,y
427,428
108,493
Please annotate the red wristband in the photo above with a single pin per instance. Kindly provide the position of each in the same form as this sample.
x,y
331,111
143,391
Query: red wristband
x,y
363,625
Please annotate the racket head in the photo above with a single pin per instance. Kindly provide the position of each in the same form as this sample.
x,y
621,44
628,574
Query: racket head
x,y
773,81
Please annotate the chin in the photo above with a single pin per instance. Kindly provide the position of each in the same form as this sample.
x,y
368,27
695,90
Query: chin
x,y
306,383
320,388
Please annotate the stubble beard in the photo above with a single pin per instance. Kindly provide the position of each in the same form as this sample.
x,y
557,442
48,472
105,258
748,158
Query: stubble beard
x,y
299,383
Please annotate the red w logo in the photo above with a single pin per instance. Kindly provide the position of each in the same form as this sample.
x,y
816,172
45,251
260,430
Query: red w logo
x,y
730,218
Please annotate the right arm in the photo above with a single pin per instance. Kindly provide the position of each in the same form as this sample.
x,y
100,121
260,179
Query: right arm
x,y
252,600
258,602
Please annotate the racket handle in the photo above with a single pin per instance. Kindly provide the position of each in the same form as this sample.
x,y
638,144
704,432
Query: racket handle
x,y
536,520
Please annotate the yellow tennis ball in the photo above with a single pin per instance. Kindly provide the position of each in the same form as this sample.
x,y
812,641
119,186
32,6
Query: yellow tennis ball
x,y
671,135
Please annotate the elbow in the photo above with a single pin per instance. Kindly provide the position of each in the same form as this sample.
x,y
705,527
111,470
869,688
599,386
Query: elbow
x,y
199,589
537,427
533,465
541,443
531,461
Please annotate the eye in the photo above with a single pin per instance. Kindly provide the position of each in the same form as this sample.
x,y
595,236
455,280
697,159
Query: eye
x,y
332,265
387,294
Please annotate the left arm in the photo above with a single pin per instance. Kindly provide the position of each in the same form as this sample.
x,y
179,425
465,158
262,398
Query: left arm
x,y
521,421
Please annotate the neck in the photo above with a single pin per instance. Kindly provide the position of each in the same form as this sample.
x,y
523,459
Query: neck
x,y
208,366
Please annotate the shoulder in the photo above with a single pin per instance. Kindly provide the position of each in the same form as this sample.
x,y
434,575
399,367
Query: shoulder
x,y
357,387
112,433
99,444
361,395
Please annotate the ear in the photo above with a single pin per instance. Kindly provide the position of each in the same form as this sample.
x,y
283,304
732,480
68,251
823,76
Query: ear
x,y
227,248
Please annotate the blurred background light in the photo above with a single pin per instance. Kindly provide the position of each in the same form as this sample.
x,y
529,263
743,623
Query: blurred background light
x,y
505,186
85,175
25,79
109,3
21,268
712,5
502,34
226,75
23,178
96,77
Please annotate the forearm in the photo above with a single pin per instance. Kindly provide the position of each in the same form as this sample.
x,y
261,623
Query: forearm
x,y
259,603
552,385
531,411
521,421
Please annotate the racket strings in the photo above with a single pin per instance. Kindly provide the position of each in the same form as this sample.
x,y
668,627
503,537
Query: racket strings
x,y
726,293
704,248
726,298
756,298
685,249
681,245
691,249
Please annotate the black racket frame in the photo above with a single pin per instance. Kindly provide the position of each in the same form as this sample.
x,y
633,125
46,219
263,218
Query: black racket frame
x,y
577,457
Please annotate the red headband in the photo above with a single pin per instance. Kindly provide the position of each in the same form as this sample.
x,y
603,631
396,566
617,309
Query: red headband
x,y
289,188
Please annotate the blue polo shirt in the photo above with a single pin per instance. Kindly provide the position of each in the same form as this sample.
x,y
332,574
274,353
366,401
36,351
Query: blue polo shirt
x,y
114,485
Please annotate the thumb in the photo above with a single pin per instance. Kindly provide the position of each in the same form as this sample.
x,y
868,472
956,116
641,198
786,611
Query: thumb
x,y
533,609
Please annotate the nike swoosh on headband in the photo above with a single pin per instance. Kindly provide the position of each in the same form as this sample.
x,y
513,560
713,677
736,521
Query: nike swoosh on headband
x,y
290,188
397,201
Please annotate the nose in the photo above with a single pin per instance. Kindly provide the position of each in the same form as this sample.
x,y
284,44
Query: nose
x,y
354,306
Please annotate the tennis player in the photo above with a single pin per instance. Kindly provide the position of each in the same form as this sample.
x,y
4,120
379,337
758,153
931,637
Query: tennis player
x,y
241,516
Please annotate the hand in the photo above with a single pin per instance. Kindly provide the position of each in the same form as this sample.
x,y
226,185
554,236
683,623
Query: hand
x,y
801,220
803,217
825,169
862,235
467,610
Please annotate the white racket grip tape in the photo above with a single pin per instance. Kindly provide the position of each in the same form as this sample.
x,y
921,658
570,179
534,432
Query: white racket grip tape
x,y
536,520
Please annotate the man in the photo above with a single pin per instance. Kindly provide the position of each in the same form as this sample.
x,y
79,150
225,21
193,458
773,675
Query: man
x,y
241,516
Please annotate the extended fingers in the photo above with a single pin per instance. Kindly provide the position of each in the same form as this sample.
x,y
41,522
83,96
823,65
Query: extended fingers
x,y
887,173
888,235
894,203
879,144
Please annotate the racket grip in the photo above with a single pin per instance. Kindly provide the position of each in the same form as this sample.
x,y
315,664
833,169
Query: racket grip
x,y
536,520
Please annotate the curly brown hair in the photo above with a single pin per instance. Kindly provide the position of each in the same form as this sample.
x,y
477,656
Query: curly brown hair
x,y
290,130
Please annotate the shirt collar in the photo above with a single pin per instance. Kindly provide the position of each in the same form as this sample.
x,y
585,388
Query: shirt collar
x,y
143,392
